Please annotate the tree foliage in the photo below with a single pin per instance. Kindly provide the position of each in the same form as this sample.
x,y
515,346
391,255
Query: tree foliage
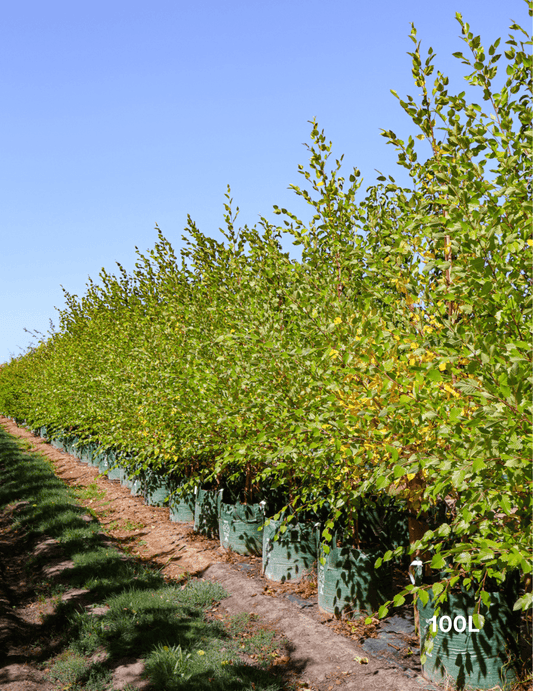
x,y
392,360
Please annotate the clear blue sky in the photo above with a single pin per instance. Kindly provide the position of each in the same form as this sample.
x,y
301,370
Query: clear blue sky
x,y
120,114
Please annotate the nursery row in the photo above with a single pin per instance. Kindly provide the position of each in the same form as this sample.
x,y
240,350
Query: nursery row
x,y
289,553
387,367
348,581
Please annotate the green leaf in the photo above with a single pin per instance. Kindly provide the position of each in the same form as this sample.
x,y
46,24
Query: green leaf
x,y
479,621
524,602
382,482
437,588
423,595
506,506
434,375
479,464
399,471
393,452
437,562
485,597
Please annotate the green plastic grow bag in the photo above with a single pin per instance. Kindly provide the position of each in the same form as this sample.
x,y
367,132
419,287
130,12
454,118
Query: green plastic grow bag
x,y
128,468
99,460
238,527
127,475
348,580
70,445
58,442
206,512
114,472
182,507
75,447
136,486
155,489
291,556
472,659
90,453
86,452
103,463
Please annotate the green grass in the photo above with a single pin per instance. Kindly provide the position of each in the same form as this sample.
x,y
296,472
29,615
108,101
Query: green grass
x,y
72,671
145,618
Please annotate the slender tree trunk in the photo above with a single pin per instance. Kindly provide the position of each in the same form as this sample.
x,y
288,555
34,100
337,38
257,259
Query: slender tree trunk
x,y
248,490
417,528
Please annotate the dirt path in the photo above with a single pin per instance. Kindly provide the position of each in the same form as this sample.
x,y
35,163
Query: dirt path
x,y
325,655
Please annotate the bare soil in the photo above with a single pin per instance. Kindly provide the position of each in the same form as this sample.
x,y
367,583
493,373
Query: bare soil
x,y
322,654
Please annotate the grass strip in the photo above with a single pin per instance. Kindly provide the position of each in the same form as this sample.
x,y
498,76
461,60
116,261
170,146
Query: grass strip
x,y
134,614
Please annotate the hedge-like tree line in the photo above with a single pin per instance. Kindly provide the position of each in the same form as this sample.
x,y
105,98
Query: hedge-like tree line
x,y
393,359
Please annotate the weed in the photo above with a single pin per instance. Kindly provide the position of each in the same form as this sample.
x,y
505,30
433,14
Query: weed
x,y
85,631
130,525
68,668
238,623
200,593
91,491
47,590
24,444
259,642
29,566
167,666
73,671
92,512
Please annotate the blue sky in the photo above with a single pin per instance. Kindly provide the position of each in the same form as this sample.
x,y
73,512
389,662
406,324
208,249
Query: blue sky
x,y
120,114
